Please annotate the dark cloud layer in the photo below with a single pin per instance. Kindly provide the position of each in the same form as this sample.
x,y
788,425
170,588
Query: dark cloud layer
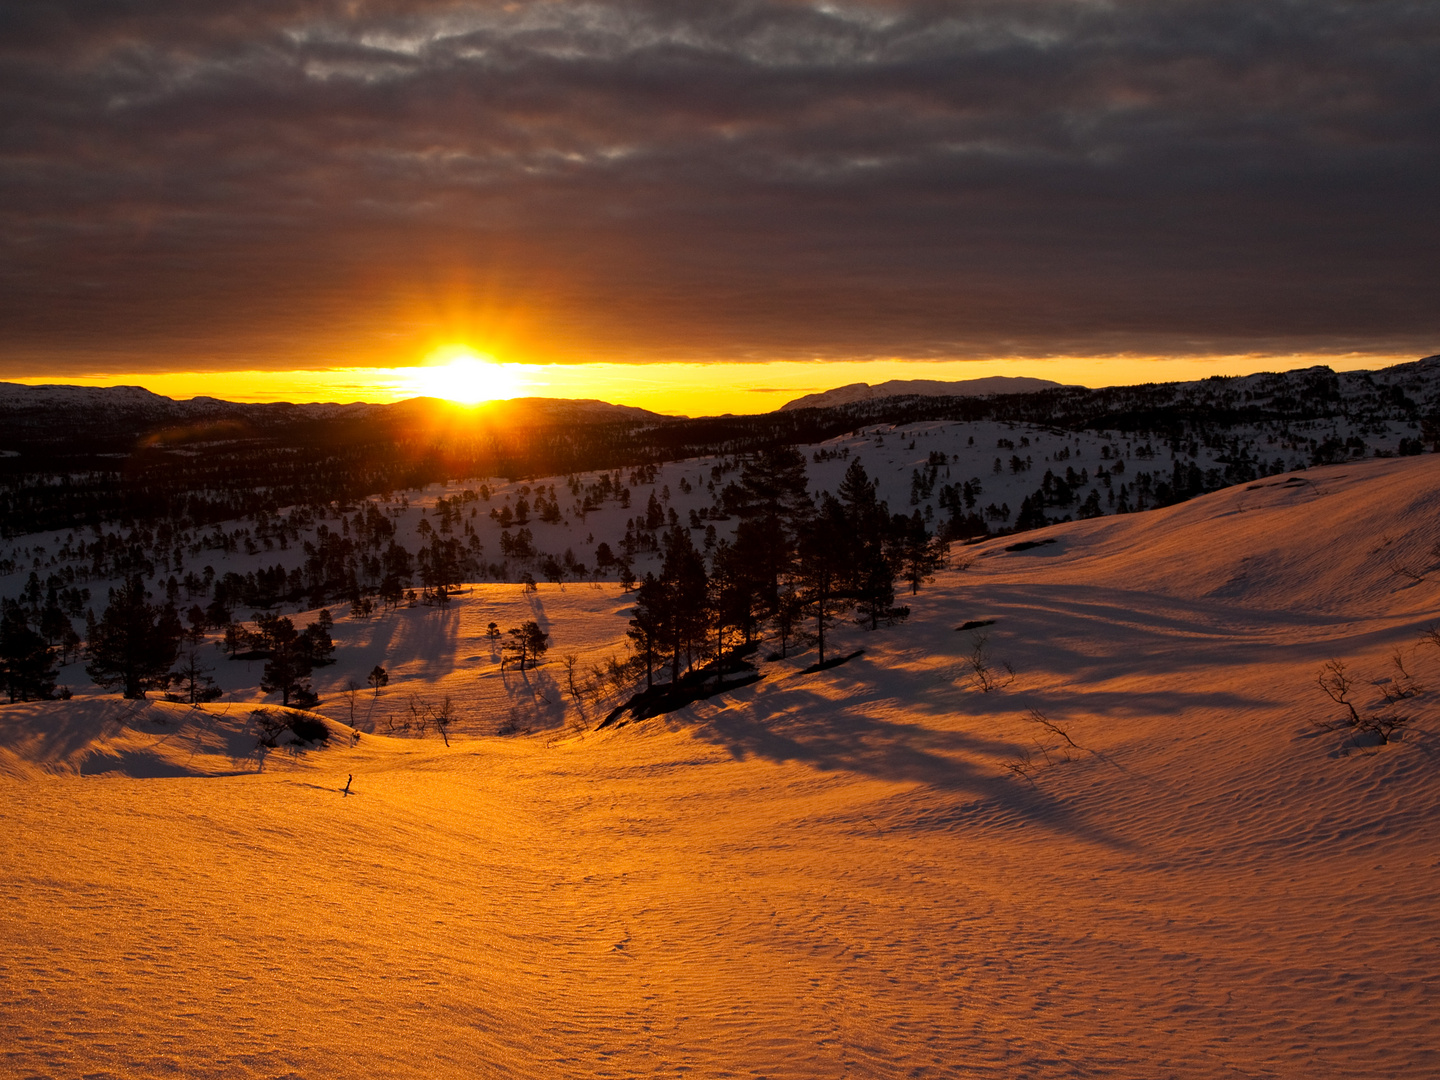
x,y
280,181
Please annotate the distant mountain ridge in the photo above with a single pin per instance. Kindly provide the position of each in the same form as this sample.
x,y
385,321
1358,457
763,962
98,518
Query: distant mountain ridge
x,y
76,455
853,392
135,404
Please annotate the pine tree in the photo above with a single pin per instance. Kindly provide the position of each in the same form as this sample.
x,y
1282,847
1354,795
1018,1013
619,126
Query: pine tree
x,y
27,664
824,567
771,500
647,621
735,600
193,679
686,585
135,642
788,613
289,664
920,554
871,576
528,643
379,678
53,621
315,641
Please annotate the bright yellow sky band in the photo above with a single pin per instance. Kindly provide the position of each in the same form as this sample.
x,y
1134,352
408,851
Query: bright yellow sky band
x,y
689,389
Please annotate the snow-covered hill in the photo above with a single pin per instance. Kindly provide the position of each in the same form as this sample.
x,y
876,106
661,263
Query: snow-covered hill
x,y
848,395
985,468
1148,850
142,406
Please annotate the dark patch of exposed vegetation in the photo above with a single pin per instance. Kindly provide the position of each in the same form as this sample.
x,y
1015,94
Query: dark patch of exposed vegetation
x,y
1026,545
834,661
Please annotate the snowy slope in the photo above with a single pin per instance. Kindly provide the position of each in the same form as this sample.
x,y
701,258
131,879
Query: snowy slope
x,y
878,870
985,455
846,395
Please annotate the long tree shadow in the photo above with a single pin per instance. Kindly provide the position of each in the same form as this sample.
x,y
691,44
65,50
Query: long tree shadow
x,y
534,700
1091,635
68,735
792,723
537,611
433,640
379,632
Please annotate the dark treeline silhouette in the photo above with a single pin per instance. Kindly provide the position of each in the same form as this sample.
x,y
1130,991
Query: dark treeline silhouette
x,y
198,463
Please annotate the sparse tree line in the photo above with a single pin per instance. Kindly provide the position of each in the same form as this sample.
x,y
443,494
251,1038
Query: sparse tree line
x,y
361,561
137,646
74,483
794,567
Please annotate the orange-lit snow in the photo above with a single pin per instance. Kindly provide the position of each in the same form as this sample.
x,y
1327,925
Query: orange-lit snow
x,y
823,875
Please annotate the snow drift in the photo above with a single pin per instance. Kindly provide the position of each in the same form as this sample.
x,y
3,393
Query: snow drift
x,y
1145,850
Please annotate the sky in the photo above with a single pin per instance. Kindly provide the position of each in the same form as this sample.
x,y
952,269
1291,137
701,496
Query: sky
x,y
332,193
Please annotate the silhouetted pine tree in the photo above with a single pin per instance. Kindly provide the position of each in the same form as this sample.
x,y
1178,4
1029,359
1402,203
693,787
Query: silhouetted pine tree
x,y
685,585
871,574
289,664
27,664
647,621
135,642
192,679
919,553
771,500
823,570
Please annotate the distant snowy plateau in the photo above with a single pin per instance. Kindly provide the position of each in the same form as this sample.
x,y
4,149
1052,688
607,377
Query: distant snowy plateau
x,y
1087,812
848,395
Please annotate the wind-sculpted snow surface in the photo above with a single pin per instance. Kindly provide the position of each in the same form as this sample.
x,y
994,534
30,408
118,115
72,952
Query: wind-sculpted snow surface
x,y
145,739
1139,857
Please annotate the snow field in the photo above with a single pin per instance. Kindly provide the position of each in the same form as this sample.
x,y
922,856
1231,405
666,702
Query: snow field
x,y
891,456
877,870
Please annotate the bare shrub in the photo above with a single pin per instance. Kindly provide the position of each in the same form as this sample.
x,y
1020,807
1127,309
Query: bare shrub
x,y
1035,716
1383,725
419,712
351,693
443,717
269,726
1022,766
1338,685
982,672
1413,572
514,723
571,663
1402,684
1055,745
1335,681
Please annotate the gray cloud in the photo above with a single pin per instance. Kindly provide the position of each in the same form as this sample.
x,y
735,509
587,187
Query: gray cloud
x,y
267,180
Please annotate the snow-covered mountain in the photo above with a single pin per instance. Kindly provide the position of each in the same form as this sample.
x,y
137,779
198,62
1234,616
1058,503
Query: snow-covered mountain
x,y
848,395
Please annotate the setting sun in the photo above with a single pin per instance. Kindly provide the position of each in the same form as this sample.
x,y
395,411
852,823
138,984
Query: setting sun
x,y
459,373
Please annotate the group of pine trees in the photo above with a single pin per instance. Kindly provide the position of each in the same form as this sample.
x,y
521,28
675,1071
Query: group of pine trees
x,y
138,646
794,566
792,563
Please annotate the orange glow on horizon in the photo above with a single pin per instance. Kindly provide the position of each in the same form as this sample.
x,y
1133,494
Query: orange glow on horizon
x,y
467,376
458,373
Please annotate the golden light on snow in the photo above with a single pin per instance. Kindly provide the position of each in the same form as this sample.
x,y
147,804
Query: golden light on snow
x,y
459,373
1112,864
